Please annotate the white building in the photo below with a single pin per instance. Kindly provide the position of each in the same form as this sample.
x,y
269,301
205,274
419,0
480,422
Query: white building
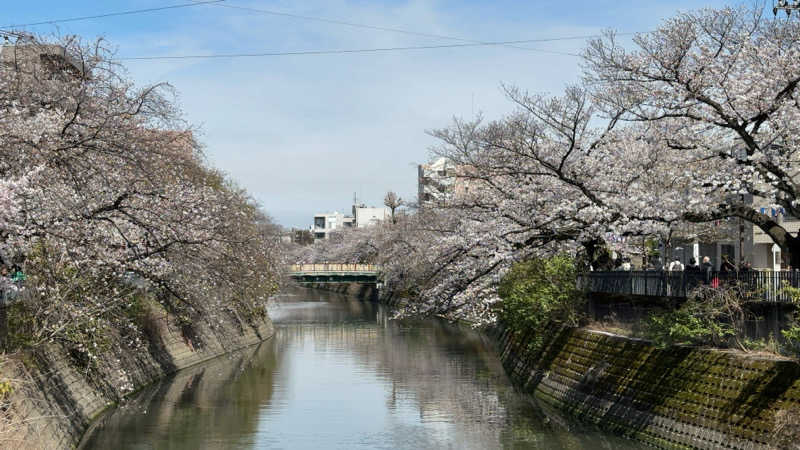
x,y
325,223
365,216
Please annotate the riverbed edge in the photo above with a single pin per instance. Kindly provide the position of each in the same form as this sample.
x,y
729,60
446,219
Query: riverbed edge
x,y
58,404
677,397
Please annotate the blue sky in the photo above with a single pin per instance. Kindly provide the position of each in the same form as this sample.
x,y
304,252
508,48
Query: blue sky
x,y
303,133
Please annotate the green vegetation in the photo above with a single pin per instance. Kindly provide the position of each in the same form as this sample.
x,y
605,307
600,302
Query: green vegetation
x,y
710,316
792,334
541,292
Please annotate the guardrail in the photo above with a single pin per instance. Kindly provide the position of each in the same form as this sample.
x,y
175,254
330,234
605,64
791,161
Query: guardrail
x,y
762,285
333,267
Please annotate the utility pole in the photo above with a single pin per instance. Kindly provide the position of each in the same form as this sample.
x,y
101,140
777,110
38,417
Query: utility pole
x,y
785,5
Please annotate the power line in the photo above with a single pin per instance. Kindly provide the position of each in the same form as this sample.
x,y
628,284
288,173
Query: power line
x,y
6,34
368,50
402,31
121,13
341,22
343,51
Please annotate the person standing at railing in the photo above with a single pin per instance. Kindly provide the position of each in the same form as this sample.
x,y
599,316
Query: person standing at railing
x,y
675,266
726,266
674,277
707,269
692,274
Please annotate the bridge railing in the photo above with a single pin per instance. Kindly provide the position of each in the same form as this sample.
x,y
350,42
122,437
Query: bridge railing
x,y
332,267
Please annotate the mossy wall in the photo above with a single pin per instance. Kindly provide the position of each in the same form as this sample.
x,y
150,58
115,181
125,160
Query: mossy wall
x,y
667,398
58,403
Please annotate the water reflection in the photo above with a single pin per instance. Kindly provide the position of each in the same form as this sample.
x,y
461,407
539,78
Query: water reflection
x,y
338,374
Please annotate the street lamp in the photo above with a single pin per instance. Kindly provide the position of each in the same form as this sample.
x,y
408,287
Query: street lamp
x,y
785,5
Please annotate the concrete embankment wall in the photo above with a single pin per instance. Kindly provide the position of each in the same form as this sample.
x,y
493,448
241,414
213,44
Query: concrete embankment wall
x,y
58,404
362,291
665,398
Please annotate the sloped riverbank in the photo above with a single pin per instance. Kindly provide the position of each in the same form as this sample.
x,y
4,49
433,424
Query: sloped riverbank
x,y
59,402
678,397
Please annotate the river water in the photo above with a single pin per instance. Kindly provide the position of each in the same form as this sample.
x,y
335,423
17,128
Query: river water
x,y
339,375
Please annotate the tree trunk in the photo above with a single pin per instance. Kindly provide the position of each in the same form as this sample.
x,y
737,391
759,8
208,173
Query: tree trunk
x,y
767,224
597,255
788,243
794,253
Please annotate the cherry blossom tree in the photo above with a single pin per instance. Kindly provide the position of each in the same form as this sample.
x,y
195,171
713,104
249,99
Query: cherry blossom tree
x,y
109,194
721,85
696,124
392,201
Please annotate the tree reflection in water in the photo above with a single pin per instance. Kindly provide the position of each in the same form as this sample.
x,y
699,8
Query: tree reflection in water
x,y
339,374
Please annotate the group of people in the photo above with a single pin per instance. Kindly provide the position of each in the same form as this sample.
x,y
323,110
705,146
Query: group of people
x,y
706,266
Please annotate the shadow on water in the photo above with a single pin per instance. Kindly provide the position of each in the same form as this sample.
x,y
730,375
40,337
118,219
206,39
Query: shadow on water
x,y
339,374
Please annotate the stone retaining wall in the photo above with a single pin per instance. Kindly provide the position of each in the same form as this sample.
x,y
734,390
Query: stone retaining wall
x,y
666,398
59,403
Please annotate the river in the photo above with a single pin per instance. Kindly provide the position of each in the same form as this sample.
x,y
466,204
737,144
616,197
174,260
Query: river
x,y
339,375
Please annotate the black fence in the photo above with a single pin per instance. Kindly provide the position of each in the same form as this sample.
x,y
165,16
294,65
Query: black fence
x,y
760,285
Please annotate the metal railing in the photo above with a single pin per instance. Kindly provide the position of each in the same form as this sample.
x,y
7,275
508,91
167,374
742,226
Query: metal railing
x,y
760,285
329,268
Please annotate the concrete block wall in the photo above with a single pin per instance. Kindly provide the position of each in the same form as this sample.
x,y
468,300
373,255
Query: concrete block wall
x,y
666,398
60,403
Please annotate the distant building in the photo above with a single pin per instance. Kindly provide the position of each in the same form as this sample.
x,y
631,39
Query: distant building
x,y
53,59
435,182
367,216
440,182
325,223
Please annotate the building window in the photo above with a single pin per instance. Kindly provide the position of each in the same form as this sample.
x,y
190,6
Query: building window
x,y
319,235
319,222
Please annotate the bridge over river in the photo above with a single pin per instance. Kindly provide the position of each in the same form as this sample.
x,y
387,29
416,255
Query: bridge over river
x,y
334,273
